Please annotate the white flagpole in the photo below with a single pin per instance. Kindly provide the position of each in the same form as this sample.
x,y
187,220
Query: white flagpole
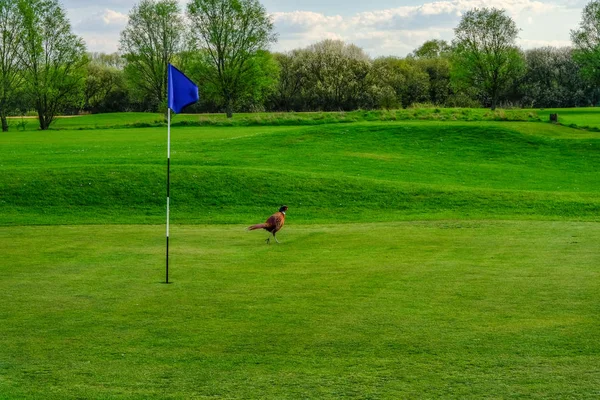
x,y
168,183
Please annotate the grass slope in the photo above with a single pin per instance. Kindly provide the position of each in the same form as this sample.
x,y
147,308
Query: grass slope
x,y
474,309
356,172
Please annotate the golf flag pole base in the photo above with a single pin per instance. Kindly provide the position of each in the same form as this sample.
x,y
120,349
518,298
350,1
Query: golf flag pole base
x,y
181,92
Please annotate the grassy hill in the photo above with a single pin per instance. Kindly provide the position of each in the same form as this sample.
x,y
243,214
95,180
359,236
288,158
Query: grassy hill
x,y
361,172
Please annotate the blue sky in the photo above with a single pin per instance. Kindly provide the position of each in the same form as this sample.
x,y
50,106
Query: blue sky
x,y
381,27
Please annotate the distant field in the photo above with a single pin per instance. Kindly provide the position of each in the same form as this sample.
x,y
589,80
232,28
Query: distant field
x,y
422,257
143,120
587,118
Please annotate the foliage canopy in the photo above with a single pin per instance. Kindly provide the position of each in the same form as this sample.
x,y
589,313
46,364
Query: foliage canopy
x,y
485,53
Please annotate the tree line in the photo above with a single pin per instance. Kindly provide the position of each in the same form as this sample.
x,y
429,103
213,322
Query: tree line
x,y
223,45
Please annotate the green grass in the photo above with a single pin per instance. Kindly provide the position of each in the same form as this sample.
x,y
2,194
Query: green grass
x,y
420,259
145,120
445,309
581,118
358,172
587,118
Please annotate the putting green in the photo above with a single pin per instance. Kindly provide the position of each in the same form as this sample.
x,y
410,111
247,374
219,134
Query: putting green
x,y
445,309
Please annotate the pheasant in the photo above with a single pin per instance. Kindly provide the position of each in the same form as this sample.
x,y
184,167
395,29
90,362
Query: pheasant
x,y
273,224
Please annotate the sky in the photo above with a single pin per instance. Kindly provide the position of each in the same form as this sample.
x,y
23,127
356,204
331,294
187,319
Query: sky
x,y
380,27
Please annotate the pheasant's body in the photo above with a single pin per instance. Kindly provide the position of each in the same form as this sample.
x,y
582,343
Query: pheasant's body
x,y
273,224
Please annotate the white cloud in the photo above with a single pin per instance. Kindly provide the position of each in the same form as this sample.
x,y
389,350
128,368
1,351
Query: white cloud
x,y
531,43
451,10
114,17
101,30
101,44
389,31
305,19
104,21
400,30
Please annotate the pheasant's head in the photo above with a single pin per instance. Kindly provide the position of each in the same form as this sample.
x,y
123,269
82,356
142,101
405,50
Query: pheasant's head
x,y
283,209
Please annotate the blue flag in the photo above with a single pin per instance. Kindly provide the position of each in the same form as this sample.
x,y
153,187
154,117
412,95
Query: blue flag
x,y
181,90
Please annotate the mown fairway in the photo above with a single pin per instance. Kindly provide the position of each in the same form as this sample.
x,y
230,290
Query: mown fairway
x,y
419,260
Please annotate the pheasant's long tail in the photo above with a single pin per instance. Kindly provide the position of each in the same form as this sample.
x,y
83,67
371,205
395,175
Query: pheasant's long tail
x,y
257,226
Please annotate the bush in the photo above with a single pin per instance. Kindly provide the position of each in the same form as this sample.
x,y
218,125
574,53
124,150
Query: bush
x,y
422,105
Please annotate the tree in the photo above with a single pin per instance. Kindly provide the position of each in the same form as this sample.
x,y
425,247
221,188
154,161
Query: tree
x,y
586,42
416,82
256,92
113,60
229,36
433,57
404,76
10,76
336,75
553,79
53,59
438,69
105,89
293,76
386,83
432,49
152,39
485,55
